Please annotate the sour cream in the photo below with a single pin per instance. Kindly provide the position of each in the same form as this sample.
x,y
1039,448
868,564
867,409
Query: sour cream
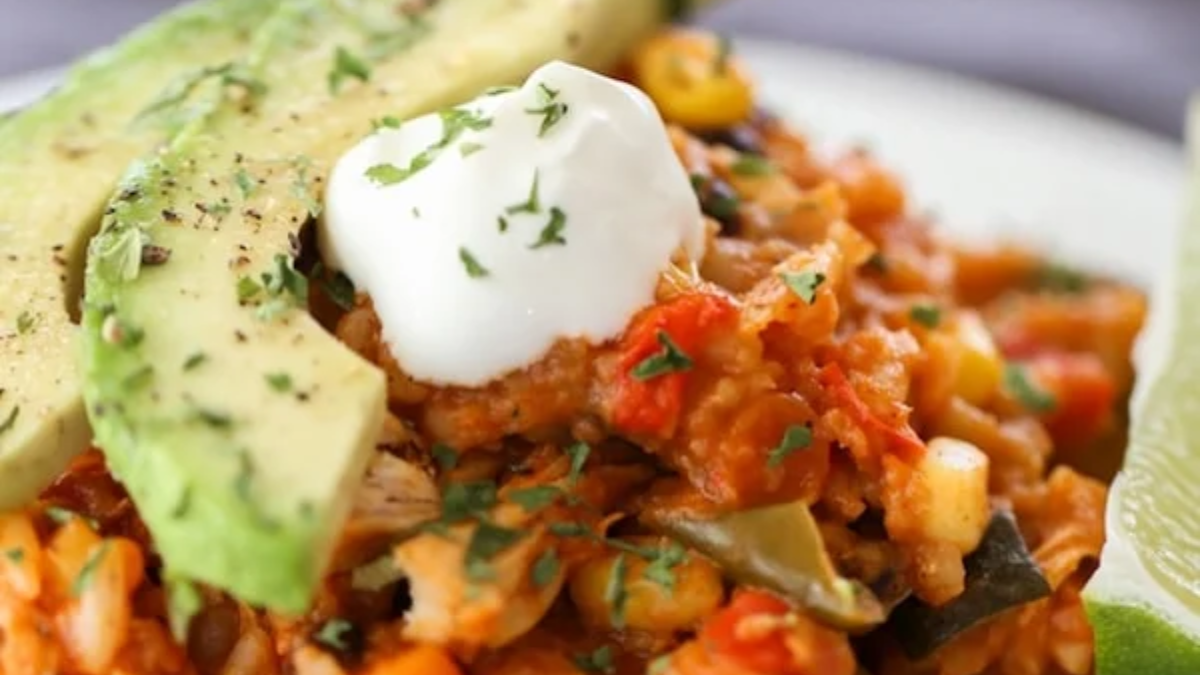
x,y
486,233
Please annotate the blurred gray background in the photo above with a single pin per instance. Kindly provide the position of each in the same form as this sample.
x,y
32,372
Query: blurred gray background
x,y
1133,59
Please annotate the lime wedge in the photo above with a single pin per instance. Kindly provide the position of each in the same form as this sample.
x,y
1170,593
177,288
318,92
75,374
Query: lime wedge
x,y
1144,601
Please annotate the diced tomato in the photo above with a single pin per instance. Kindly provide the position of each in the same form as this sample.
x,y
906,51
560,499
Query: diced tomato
x,y
1084,394
758,652
902,441
652,406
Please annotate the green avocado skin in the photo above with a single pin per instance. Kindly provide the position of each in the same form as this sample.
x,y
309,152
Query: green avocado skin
x,y
1135,641
246,485
60,160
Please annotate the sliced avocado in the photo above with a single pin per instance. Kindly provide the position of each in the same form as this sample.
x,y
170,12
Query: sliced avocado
x,y
239,427
59,162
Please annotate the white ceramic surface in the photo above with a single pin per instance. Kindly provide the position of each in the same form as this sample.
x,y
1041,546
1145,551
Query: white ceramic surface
x,y
992,163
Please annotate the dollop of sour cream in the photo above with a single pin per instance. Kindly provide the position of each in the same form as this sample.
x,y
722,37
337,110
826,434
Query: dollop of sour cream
x,y
487,232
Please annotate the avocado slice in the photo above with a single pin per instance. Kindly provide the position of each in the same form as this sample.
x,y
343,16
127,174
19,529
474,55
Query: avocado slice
x,y
238,425
59,162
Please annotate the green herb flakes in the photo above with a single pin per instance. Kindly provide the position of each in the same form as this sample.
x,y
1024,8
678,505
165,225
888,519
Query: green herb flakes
x,y
334,635
795,437
1017,381
471,265
928,316
1059,278
545,569
502,224
195,361
213,418
488,541
461,501
386,122
280,382
803,284
61,516
247,289
340,290
244,182
551,234
600,662
752,166
387,174
551,111
346,66
615,593
671,360
661,569
445,456
534,499
578,453
87,573
14,555
25,322
469,148
532,203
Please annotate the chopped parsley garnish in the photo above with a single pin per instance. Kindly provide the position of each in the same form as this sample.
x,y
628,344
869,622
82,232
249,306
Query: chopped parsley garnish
x,y
386,122
195,361
661,569
496,91
877,263
752,165
488,541
333,634
15,555
245,182
545,570
1058,278
276,291
803,284
471,265
213,418
389,174
536,498
340,290
280,382
138,378
599,662
796,437
502,223
25,322
615,593
469,148
532,203
1016,380
926,315
346,66
86,573
670,360
445,456
552,110
461,501
578,453
247,288
11,420
551,234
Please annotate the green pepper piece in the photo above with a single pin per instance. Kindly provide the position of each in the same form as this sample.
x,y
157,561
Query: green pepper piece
x,y
778,548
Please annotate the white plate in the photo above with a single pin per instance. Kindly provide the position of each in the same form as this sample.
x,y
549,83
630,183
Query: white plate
x,y
992,163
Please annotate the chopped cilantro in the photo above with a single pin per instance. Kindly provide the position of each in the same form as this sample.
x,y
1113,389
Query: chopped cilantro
x,y
195,361
795,437
578,453
386,122
25,322
346,66
213,418
471,265
247,289
552,110
1016,380
877,263
536,498
532,203
469,148
1059,278
387,174
502,223
445,456
615,593
86,573
340,290
661,569
551,234
488,541
138,378
546,569
600,661
333,634
15,555
461,501
672,359
803,284
926,315
280,382
752,165
245,182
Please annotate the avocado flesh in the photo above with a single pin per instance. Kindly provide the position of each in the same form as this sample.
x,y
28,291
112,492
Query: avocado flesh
x,y
59,162
245,487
